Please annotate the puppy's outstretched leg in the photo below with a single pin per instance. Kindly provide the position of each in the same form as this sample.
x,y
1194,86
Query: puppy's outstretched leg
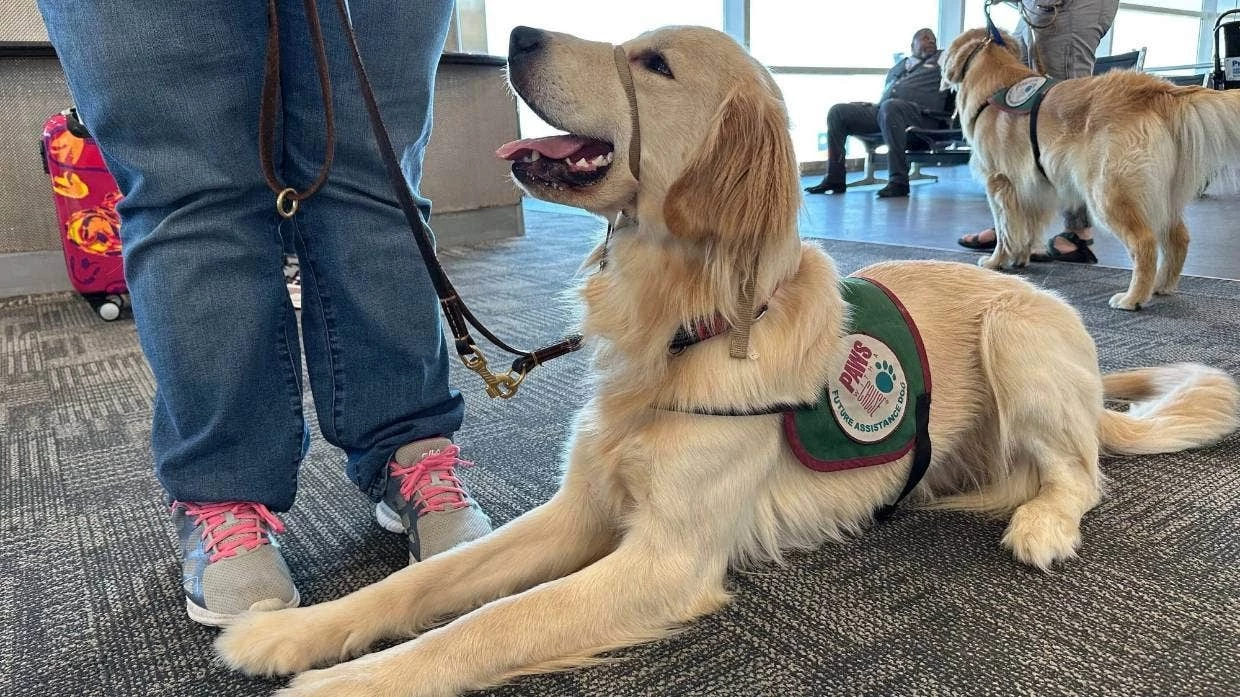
x,y
550,541
668,569
648,585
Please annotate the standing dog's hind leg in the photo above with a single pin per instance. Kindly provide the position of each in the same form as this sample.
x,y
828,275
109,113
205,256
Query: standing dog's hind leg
x,y
1174,249
1124,216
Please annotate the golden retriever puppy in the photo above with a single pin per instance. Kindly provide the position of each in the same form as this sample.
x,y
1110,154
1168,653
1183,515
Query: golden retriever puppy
x,y
658,497
1132,148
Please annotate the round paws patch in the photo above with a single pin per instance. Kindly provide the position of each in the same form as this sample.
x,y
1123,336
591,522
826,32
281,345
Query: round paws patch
x,y
1022,91
869,395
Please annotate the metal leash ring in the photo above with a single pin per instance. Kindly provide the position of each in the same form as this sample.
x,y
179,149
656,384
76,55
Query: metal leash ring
x,y
287,203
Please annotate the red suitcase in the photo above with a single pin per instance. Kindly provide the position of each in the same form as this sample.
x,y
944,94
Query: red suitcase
x,y
86,198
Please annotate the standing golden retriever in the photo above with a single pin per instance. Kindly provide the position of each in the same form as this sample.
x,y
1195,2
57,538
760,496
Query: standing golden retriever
x,y
1132,148
655,503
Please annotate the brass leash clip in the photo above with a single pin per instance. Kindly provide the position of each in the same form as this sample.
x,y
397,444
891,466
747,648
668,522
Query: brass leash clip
x,y
503,386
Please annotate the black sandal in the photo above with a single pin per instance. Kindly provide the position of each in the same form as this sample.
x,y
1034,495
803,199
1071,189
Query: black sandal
x,y
973,240
1080,255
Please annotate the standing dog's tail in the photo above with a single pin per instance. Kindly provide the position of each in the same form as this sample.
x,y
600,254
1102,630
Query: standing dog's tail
x,y
1207,134
1174,407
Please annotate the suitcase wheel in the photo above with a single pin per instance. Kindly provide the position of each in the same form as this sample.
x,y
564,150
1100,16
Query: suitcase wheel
x,y
109,306
109,310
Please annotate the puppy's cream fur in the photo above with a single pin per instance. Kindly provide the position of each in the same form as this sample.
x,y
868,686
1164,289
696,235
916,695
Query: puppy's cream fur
x,y
1133,149
654,505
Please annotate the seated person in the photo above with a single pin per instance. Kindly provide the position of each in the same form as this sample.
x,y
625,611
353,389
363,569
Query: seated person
x,y
911,97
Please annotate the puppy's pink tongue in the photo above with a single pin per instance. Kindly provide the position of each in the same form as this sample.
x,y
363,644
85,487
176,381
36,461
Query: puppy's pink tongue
x,y
555,147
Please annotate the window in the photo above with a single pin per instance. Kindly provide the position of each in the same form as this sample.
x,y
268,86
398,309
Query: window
x,y
1168,39
836,34
809,97
1193,5
1004,16
815,35
614,22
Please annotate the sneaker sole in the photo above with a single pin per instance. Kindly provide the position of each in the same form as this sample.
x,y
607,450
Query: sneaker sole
x,y
388,519
202,615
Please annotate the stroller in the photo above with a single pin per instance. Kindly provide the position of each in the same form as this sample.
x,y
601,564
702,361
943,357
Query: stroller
x,y
1226,74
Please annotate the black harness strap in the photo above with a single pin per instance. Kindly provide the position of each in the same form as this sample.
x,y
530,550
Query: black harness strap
x,y
921,457
1033,133
767,410
922,449
977,114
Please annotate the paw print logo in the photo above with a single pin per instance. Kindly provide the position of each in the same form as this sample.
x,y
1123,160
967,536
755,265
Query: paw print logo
x,y
885,381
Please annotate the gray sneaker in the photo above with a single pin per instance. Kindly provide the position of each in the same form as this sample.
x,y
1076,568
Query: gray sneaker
x,y
425,500
231,562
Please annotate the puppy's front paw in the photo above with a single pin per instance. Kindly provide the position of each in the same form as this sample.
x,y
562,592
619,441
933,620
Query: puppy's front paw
x,y
286,641
1124,301
1040,535
383,674
991,262
334,682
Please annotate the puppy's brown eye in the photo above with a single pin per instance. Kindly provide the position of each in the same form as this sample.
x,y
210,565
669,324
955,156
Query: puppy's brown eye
x,y
656,64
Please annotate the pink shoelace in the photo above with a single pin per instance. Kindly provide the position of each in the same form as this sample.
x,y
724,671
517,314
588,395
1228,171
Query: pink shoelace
x,y
420,486
247,529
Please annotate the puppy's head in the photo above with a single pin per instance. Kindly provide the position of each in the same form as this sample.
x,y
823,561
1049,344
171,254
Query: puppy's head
x,y
715,155
972,49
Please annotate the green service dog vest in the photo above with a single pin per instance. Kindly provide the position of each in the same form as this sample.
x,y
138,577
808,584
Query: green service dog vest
x,y
875,407
1024,96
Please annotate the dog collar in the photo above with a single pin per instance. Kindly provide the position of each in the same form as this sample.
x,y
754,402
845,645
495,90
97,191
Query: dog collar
x,y
704,328
964,69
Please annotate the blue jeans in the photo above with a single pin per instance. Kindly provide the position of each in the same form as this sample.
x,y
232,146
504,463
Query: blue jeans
x,y
171,91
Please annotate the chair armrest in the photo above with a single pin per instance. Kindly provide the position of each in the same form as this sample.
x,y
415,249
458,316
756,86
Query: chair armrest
x,y
935,138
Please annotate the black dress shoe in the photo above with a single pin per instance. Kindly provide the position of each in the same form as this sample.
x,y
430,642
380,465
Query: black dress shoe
x,y
824,187
893,190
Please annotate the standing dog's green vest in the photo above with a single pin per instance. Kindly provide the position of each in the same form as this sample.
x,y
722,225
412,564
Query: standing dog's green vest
x,y
875,407
1024,96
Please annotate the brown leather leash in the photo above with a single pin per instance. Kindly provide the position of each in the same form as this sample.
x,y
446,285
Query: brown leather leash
x,y
456,313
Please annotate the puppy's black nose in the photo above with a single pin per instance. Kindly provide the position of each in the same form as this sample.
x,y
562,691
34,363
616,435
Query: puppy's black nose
x,y
524,40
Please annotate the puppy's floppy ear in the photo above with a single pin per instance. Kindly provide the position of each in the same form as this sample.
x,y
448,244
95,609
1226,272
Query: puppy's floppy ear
x,y
742,185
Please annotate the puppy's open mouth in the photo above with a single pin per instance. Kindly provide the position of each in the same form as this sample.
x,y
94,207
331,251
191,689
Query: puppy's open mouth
x,y
559,162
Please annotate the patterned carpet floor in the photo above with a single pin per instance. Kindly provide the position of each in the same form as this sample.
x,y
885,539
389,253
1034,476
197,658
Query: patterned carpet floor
x,y
926,604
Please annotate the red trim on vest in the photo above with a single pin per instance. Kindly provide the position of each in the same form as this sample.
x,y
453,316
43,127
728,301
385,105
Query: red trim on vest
x,y
908,319
790,432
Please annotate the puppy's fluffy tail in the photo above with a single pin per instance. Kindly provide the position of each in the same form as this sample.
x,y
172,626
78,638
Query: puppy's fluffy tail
x,y
1173,407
